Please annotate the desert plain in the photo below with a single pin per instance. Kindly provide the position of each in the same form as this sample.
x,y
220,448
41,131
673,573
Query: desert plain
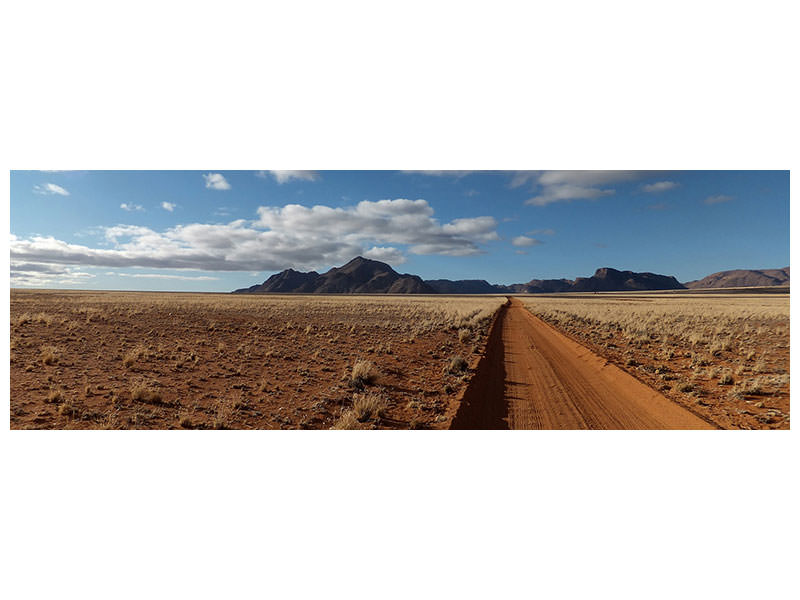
x,y
137,360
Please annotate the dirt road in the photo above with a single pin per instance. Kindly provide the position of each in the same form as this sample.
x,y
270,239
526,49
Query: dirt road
x,y
533,377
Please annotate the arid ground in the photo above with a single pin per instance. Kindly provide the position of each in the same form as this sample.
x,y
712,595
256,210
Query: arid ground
x,y
723,356
124,360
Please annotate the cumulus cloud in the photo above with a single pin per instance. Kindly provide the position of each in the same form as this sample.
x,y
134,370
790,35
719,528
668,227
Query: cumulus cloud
x,y
215,181
169,206
398,221
288,236
49,189
718,199
522,241
131,207
287,176
659,186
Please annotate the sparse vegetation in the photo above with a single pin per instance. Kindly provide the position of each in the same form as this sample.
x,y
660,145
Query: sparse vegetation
x,y
457,364
364,373
347,420
711,346
49,356
137,358
371,404
55,395
145,391
132,356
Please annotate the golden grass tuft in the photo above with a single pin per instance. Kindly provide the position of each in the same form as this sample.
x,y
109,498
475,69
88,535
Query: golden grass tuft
x,y
132,356
54,396
371,404
145,391
364,373
49,355
348,420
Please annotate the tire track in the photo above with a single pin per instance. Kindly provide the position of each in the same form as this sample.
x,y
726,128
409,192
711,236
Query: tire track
x,y
533,377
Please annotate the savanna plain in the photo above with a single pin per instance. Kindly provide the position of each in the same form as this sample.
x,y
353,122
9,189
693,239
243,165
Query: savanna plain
x,y
116,360
125,360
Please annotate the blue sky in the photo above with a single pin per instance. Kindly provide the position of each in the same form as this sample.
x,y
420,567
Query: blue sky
x,y
221,230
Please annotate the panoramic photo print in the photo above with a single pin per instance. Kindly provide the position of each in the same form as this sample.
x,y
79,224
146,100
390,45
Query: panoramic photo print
x,y
210,300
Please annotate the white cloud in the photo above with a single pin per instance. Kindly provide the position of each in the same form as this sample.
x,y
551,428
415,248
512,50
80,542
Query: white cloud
x,y
398,221
386,254
542,232
659,186
287,176
718,199
288,236
165,276
169,206
522,241
50,189
564,186
520,178
131,207
215,181
32,274
589,178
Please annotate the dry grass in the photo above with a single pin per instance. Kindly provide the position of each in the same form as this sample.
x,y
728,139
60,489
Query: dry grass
x,y
456,365
54,396
365,406
49,355
144,390
132,356
704,342
713,324
280,352
726,378
347,420
364,373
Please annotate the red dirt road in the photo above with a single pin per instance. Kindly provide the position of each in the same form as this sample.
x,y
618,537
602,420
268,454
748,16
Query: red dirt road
x,y
533,377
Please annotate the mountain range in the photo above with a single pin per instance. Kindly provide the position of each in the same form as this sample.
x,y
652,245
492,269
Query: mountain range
x,y
364,276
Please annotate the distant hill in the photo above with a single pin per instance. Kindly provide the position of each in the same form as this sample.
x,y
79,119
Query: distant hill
x,y
359,276
364,276
611,280
742,278
465,286
543,286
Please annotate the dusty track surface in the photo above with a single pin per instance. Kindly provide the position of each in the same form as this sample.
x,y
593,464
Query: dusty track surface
x,y
533,377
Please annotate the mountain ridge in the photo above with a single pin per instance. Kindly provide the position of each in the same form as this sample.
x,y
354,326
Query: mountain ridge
x,y
365,276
